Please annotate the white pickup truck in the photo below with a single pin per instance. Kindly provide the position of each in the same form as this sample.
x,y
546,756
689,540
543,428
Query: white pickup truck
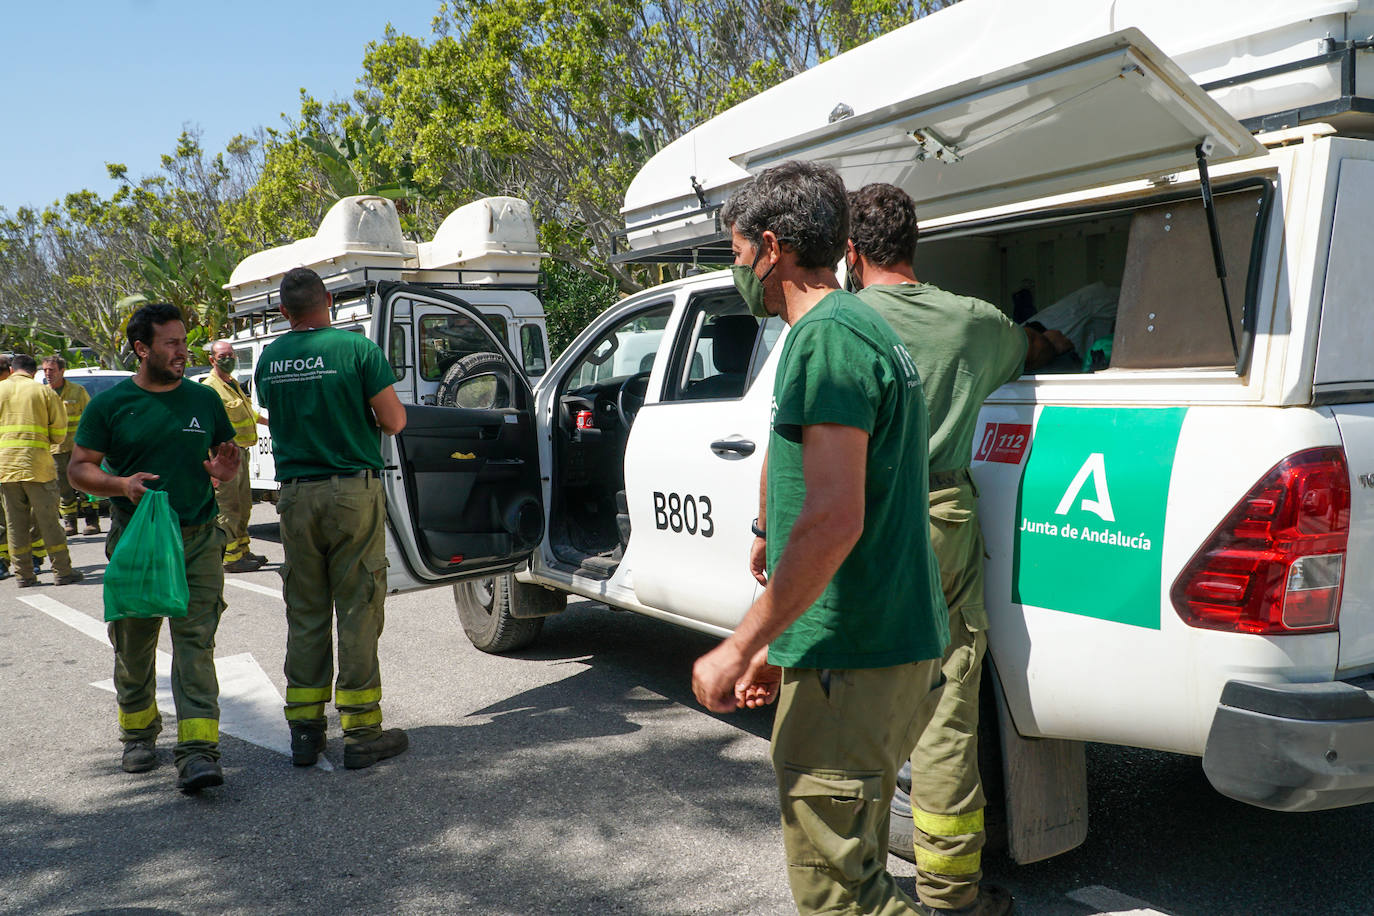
x,y
1179,527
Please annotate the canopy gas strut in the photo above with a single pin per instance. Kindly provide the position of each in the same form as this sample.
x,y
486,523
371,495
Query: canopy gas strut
x,y
1217,258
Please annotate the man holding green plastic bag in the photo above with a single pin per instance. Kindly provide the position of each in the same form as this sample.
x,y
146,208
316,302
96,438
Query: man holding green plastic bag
x,y
154,432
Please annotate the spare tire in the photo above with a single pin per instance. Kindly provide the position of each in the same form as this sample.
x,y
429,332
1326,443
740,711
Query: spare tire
x,y
479,380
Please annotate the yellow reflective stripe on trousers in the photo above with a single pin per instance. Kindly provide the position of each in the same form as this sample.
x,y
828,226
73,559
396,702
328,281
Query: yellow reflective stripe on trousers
x,y
23,428
308,694
372,717
357,697
23,443
133,721
948,824
308,711
936,864
198,730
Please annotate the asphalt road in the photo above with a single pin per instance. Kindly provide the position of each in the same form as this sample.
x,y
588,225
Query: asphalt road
x,y
578,777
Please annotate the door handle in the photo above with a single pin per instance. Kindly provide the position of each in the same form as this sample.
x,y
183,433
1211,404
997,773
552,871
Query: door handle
x,y
722,447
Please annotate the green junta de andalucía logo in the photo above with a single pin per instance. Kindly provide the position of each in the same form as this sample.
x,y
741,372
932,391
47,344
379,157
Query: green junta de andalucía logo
x,y
1090,512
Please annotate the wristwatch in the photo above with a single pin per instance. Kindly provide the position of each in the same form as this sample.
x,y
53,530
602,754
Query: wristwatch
x,y
758,532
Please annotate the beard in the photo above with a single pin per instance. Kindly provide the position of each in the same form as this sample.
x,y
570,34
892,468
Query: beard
x,y
160,369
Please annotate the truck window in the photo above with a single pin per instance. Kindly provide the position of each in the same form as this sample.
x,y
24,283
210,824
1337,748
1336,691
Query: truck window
x,y
624,351
714,350
532,349
1132,285
445,339
397,346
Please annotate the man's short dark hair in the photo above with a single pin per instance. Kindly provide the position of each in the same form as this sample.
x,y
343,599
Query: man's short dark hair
x,y
23,362
302,291
142,322
4,363
882,224
802,203
56,360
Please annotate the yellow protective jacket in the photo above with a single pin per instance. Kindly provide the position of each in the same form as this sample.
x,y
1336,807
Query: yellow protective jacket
x,y
32,421
74,399
241,414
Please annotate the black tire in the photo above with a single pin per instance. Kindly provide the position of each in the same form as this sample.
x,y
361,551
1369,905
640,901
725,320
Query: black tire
x,y
493,364
485,611
901,833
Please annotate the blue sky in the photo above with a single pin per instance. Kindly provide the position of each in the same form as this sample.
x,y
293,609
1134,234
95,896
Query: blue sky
x,y
85,83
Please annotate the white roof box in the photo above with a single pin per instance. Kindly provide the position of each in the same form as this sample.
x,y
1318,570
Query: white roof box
x,y
1266,62
357,234
492,240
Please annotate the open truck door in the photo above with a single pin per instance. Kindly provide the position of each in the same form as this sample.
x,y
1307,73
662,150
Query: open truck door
x,y
462,480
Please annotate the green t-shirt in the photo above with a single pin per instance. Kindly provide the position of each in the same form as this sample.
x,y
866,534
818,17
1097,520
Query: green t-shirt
x,y
965,349
167,433
316,386
842,364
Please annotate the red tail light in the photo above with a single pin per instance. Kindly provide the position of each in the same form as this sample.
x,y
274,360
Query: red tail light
x,y
1275,565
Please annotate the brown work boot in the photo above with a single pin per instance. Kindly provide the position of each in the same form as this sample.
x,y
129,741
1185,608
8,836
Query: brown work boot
x,y
361,754
243,565
69,525
27,581
75,575
139,756
991,901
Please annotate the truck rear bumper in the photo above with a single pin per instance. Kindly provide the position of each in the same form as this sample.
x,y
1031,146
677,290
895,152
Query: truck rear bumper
x,y
1294,747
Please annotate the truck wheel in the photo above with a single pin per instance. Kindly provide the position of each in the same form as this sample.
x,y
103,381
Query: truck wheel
x,y
478,380
487,609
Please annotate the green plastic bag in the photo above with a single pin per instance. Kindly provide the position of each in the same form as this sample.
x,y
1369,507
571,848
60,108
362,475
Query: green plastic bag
x,y
146,576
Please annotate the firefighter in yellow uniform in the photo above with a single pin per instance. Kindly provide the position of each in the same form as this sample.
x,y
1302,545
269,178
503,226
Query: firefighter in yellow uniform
x,y
74,399
32,421
235,497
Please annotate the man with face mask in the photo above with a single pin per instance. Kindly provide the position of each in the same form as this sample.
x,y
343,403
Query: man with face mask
x,y
235,497
964,349
847,641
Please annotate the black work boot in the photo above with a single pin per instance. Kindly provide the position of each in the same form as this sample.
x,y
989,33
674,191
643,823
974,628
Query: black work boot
x,y
139,756
200,773
361,754
307,741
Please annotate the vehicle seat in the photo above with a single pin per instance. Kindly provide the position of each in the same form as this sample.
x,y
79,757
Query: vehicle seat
x,y
732,343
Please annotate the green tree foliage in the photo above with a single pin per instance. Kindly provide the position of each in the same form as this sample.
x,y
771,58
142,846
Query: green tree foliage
x,y
557,101
72,269
562,101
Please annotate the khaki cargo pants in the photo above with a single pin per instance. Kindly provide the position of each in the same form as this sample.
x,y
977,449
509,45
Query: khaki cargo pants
x,y
235,501
333,533
195,687
946,791
68,500
839,737
32,504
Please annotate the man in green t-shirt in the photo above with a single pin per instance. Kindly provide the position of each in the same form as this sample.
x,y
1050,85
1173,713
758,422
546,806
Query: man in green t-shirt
x,y
964,349
157,427
329,395
855,637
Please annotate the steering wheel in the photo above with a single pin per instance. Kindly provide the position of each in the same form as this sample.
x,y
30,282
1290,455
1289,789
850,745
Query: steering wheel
x,y
632,390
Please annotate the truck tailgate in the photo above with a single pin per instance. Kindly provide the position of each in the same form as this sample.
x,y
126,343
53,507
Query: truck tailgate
x,y
1356,423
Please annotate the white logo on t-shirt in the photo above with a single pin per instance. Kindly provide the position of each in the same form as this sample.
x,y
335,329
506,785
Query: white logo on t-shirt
x,y
193,427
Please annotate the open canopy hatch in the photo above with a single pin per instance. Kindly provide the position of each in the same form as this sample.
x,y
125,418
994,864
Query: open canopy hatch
x,y
1107,110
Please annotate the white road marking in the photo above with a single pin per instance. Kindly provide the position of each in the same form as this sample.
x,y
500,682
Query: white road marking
x,y
70,616
255,587
250,708
1107,902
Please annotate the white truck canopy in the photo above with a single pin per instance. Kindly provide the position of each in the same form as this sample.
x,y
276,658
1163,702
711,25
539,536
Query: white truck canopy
x,y
962,73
